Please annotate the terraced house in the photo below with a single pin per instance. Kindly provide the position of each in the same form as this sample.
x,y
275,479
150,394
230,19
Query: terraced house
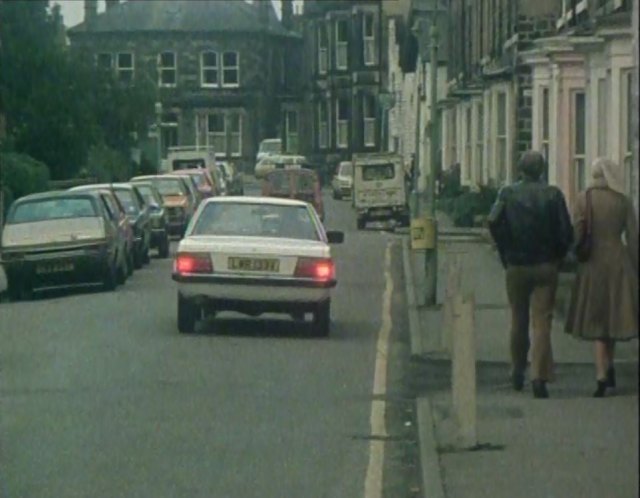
x,y
345,43
584,93
487,118
225,71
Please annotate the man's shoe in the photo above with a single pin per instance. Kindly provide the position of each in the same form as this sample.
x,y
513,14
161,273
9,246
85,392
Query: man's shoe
x,y
517,381
540,389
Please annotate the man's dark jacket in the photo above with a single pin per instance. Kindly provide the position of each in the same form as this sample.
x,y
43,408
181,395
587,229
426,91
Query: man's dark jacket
x,y
530,224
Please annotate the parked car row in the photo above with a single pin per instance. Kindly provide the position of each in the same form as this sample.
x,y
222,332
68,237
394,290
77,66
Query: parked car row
x,y
99,233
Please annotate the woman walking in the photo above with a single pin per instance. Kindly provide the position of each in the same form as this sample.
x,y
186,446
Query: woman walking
x,y
604,302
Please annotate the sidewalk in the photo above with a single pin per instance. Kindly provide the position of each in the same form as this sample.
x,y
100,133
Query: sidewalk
x,y
569,445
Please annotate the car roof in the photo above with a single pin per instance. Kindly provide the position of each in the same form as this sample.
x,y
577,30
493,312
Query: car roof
x,y
274,201
153,177
105,186
189,171
54,194
298,172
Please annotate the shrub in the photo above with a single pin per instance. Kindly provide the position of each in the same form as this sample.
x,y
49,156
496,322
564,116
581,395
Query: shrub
x,y
22,175
466,206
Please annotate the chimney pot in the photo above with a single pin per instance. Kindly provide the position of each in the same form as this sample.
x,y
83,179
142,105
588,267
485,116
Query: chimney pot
x,y
90,11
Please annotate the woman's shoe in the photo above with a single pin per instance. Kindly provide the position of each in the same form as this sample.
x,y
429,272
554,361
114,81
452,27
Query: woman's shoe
x,y
540,389
611,377
602,387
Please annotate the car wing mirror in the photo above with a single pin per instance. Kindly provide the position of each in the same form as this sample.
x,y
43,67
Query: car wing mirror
x,y
335,237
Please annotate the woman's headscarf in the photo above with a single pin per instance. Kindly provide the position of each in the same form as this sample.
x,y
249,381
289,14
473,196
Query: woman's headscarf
x,y
604,173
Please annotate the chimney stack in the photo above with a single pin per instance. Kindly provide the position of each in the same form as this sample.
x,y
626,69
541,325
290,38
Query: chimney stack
x,y
287,14
90,11
111,4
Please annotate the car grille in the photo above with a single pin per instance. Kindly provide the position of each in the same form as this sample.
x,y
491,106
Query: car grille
x,y
175,213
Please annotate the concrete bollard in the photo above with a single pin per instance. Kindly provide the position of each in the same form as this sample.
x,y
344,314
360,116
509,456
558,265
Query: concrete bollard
x,y
463,369
452,289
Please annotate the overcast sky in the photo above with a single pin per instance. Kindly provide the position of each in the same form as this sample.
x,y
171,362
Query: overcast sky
x,y
73,10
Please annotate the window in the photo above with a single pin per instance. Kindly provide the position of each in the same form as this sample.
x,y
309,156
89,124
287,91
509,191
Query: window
x,y
479,142
627,123
579,140
291,127
342,41
602,119
501,136
468,124
322,50
323,125
167,69
235,134
169,127
224,133
342,123
125,67
453,135
369,39
369,113
230,69
209,69
104,61
217,133
544,124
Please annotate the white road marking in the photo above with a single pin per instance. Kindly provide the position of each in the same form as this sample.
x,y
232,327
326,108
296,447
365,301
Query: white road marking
x,y
373,480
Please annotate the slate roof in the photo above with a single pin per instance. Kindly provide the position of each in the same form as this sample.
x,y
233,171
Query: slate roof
x,y
183,16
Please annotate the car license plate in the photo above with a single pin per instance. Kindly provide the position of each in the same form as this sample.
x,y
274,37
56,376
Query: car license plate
x,y
381,212
254,264
54,268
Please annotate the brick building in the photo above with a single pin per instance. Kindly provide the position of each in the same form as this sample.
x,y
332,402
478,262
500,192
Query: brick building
x,y
487,113
345,71
584,98
226,72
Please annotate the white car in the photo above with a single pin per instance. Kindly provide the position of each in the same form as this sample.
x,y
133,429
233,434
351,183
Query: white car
x,y
255,255
270,163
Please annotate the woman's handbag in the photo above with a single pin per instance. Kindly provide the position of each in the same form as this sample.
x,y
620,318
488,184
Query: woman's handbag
x,y
583,246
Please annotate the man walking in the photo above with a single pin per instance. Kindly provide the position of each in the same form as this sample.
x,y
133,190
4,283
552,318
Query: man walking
x,y
532,229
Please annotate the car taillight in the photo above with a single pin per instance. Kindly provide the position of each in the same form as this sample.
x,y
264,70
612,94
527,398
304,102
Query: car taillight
x,y
315,268
192,263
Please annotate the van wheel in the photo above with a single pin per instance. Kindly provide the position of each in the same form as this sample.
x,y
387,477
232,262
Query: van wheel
x,y
130,263
361,223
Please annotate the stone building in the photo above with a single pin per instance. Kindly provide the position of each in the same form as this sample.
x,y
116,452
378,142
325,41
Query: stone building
x,y
487,113
345,76
226,72
584,97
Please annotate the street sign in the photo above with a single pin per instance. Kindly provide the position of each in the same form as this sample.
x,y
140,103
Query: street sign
x,y
423,233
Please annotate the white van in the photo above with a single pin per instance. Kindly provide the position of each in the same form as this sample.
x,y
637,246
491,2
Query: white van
x,y
190,157
379,189
269,147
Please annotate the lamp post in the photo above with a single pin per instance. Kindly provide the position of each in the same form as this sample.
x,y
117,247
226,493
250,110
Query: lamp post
x,y
417,193
432,251
158,109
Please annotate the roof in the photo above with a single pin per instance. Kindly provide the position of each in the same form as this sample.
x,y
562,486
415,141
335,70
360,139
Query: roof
x,y
274,201
53,194
104,186
183,16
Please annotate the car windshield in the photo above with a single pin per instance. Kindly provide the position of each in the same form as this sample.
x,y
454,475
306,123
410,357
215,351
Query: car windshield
x,y
169,186
188,163
128,201
256,220
281,181
53,209
346,169
377,172
148,193
272,147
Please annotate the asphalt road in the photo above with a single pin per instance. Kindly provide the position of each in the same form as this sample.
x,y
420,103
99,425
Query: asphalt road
x,y
101,397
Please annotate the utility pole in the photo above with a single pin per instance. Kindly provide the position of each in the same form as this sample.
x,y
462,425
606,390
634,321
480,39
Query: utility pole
x,y
158,109
432,223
